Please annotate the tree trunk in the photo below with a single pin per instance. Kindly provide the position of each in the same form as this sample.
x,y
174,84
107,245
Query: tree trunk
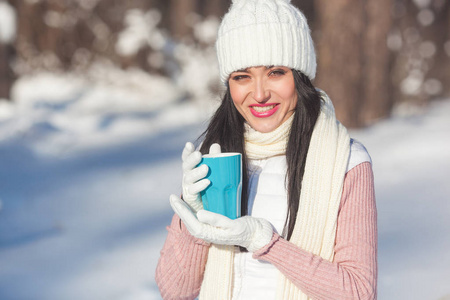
x,y
422,65
376,101
340,53
214,7
179,17
6,73
7,53
439,34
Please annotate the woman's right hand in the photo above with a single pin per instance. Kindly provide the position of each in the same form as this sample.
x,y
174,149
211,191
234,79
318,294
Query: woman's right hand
x,y
193,177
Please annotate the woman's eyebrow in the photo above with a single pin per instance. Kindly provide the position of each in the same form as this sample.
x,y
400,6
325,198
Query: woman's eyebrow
x,y
246,69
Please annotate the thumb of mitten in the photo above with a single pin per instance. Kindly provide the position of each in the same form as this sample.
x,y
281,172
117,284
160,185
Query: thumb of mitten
x,y
215,149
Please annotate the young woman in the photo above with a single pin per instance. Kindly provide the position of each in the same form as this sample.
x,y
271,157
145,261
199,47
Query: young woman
x,y
309,218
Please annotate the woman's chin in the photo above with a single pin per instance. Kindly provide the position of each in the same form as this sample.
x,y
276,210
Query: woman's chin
x,y
264,128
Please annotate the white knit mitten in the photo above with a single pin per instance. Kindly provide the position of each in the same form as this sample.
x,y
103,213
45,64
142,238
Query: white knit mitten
x,y
248,232
193,183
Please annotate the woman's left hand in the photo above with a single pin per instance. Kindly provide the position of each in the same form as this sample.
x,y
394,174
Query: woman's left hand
x,y
248,232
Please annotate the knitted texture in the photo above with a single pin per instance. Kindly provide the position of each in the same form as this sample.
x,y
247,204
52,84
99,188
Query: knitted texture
x,y
353,272
264,33
218,285
326,163
257,145
351,275
260,145
183,248
315,227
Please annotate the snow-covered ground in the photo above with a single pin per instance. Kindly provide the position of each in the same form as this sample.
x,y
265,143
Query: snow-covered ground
x,y
411,160
86,171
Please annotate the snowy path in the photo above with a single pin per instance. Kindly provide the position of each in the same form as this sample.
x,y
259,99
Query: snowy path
x,y
412,170
90,226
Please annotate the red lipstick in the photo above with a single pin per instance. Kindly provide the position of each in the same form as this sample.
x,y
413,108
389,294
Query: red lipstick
x,y
264,110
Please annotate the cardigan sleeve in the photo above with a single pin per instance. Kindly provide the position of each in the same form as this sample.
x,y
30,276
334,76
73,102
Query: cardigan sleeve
x,y
353,272
179,273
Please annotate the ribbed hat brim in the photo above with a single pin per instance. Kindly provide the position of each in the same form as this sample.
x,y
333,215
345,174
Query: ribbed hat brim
x,y
266,44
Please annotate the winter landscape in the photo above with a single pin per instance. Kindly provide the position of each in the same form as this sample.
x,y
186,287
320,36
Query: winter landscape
x,y
88,161
84,190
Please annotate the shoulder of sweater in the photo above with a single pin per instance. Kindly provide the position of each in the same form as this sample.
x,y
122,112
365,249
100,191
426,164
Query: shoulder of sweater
x,y
358,154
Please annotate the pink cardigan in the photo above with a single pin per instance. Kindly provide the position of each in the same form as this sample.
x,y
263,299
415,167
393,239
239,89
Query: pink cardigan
x,y
352,274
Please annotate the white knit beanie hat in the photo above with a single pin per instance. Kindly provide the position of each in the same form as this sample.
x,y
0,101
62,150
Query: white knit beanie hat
x,y
264,33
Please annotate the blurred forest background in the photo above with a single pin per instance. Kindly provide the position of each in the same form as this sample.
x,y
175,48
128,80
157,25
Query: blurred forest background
x,y
374,56
98,97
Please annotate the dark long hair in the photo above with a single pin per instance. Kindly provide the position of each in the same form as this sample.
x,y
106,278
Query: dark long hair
x,y
227,128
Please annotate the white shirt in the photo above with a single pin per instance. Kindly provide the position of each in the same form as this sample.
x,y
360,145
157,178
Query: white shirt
x,y
255,279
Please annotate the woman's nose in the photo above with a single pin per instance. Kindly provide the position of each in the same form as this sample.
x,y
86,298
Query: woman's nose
x,y
260,92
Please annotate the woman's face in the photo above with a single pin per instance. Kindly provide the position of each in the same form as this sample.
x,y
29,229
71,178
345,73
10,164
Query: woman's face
x,y
265,96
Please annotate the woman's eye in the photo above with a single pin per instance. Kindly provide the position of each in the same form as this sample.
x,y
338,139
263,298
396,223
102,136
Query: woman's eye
x,y
277,72
239,77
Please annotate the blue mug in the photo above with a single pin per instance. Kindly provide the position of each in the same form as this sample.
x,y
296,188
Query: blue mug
x,y
223,195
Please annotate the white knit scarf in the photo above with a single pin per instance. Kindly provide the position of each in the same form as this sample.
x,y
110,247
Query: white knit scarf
x,y
263,145
315,226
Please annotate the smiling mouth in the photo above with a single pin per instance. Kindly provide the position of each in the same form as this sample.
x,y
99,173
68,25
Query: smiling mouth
x,y
261,109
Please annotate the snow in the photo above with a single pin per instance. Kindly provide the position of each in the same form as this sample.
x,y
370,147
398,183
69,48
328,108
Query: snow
x,y
206,31
394,40
199,62
411,158
422,3
7,23
412,84
426,17
65,112
140,30
87,167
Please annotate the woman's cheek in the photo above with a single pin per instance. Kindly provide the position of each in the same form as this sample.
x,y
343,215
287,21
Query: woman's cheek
x,y
235,95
